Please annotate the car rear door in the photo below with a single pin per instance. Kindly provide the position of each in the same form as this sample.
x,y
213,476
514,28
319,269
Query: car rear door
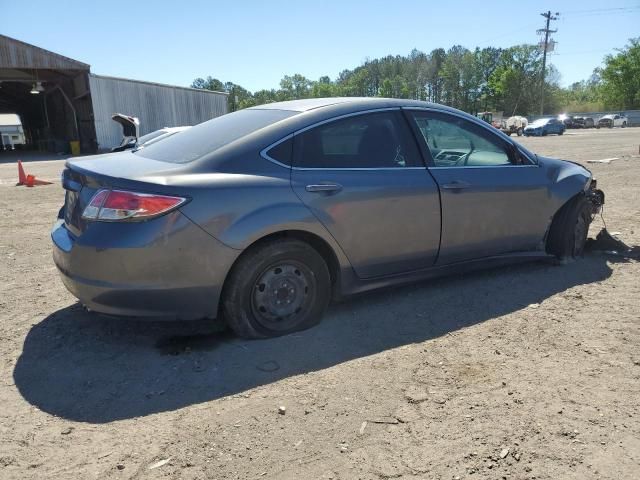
x,y
364,179
558,126
494,199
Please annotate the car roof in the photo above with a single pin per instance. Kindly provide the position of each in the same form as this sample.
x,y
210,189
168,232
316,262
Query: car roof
x,y
307,104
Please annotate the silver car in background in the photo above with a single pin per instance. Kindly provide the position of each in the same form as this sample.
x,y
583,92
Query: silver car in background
x,y
263,215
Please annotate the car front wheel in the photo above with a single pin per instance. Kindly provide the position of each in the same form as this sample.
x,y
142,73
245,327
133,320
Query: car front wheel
x,y
276,288
569,228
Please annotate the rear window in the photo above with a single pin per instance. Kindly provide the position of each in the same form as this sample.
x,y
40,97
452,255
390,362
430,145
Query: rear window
x,y
207,137
150,136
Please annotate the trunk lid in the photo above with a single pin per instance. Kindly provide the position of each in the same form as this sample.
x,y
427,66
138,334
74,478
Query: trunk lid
x,y
130,125
83,177
130,130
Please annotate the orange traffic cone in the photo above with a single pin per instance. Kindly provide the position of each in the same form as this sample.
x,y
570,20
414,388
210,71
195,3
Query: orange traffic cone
x,y
22,177
28,180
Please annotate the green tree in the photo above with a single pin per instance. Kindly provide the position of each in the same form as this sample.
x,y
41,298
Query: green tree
x,y
486,60
516,80
386,89
296,86
495,79
208,84
621,77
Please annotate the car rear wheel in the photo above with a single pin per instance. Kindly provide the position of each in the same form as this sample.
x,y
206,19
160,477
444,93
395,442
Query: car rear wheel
x,y
276,288
569,228
624,124
519,132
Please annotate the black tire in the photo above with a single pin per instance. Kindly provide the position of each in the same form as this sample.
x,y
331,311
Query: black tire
x,y
276,288
519,132
624,124
561,132
569,228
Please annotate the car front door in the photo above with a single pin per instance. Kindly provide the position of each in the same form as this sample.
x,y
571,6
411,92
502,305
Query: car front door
x,y
364,179
494,199
553,126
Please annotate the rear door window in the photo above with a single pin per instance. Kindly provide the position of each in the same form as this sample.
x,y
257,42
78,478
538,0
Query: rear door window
x,y
372,140
282,152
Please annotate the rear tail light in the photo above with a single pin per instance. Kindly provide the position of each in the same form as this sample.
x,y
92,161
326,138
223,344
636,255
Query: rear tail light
x,y
113,205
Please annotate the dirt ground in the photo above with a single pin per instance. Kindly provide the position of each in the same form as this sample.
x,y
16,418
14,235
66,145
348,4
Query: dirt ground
x,y
527,372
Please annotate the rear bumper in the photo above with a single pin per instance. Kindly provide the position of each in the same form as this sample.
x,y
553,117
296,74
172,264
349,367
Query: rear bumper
x,y
164,268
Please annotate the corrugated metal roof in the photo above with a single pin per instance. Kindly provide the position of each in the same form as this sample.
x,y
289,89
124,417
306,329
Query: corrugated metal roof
x,y
122,79
156,105
17,54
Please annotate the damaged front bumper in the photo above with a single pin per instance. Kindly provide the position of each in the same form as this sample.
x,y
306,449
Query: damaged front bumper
x,y
595,196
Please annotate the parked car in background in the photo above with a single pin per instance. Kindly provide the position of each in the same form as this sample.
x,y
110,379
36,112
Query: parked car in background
x,y
614,120
583,122
567,120
545,126
263,215
570,121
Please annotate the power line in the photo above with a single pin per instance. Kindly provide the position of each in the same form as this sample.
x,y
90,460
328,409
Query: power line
x,y
584,52
545,47
601,10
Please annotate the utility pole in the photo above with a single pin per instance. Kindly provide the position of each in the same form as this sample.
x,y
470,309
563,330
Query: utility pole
x,y
545,47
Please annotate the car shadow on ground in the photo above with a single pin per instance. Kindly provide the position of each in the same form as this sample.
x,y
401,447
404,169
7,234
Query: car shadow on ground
x,y
85,367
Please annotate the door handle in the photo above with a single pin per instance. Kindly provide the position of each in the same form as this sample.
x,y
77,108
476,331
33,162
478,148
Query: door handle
x,y
456,185
324,187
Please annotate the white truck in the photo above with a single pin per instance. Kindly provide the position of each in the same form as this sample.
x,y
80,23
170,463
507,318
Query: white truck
x,y
515,124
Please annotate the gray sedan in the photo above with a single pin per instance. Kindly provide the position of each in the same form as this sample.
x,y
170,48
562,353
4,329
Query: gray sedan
x,y
262,216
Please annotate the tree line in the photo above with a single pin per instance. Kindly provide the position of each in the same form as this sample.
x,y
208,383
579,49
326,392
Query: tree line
x,y
487,79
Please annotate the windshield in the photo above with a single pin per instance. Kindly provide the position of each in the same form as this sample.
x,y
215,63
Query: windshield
x,y
540,122
207,137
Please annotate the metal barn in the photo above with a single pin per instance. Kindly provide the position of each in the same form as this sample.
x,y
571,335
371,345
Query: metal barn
x,y
156,106
61,103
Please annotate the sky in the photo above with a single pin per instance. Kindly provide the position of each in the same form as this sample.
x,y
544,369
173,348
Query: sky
x,y
255,43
